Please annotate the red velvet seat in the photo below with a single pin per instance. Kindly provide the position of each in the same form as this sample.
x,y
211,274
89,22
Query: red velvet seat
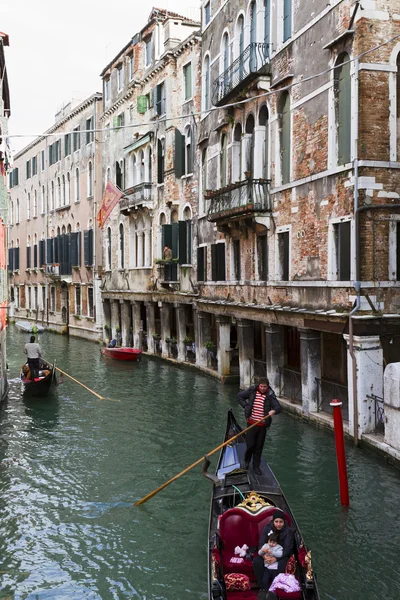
x,y
237,527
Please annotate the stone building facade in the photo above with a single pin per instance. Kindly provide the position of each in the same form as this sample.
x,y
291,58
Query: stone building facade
x,y
151,94
298,247
5,165
54,248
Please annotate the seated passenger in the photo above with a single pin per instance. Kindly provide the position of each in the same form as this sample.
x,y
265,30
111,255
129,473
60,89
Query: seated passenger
x,y
112,344
285,534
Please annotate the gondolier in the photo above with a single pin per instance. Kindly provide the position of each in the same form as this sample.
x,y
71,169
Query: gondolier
x,y
34,352
258,401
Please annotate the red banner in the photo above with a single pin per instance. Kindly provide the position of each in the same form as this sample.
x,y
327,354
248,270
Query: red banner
x,y
111,196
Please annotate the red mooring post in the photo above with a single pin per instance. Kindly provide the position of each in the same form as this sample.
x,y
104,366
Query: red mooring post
x,y
340,452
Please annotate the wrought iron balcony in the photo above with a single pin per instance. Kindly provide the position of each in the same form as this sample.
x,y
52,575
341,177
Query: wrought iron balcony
x,y
253,61
239,199
138,196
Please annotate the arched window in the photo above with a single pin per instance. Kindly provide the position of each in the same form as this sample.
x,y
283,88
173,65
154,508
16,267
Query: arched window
x,y
223,161
28,206
108,249
253,36
141,167
149,169
188,151
118,175
90,180
343,108
206,84
237,161
263,122
43,200
238,47
63,193
285,135
160,160
185,248
249,145
35,203
121,247
77,191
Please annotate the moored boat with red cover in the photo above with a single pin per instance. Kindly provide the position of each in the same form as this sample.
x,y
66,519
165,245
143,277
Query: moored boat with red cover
x,y
122,353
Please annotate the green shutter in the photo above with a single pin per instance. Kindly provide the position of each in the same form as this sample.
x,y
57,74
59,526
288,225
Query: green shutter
x,y
344,111
183,247
220,262
179,163
141,105
201,263
214,273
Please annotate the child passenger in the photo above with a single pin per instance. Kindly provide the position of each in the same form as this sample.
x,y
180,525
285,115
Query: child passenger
x,y
271,548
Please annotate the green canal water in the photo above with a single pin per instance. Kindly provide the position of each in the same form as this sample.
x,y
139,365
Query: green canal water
x,y
71,466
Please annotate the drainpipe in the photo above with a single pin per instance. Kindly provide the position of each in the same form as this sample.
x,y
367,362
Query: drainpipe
x,y
94,210
357,283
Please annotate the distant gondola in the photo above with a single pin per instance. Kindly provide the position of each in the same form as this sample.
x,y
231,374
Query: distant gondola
x,y
242,504
28,327
41,385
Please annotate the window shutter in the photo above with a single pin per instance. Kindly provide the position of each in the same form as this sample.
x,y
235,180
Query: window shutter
x,y
344,251
11,259
91,247
201,262
35,256
183,249
344,113
155,99
41,253
141,104
285,256
86,247
179,163
28,257
285,139
160,162
398,251
166,236
16,261
49,243
287,19
74,249
214,262
220,262
175,240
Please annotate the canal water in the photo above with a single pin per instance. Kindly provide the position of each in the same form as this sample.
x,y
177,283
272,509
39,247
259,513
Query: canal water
x,y
72,465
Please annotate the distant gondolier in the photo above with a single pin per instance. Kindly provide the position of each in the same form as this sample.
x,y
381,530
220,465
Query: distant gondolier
x,y
258,401
34,353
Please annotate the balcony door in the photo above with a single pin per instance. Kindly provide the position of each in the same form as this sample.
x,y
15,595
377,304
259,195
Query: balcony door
x,y
253,37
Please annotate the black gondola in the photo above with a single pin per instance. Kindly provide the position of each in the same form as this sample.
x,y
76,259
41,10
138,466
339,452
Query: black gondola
x,y
242,504
42,384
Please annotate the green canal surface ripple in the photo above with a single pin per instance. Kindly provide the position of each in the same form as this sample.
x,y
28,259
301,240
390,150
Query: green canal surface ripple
x,y
71,466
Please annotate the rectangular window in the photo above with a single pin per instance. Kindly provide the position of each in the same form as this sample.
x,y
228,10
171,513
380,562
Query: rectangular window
x,y
119,121
28,257
67,144
207,13
202,263
35,256
187,76
159,99
120,78
29,298
28,169
283,256
236,260
287,19
76,137
53,299
34,166
90,302
89,130
131,67
107,89
218,262
342,234
148,52
78,300
43,160
262,255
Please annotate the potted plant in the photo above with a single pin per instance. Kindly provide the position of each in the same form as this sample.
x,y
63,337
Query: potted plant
x,y
188,341
209,344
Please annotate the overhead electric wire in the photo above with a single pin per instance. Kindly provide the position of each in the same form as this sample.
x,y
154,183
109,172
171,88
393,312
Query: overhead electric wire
x,y
212,108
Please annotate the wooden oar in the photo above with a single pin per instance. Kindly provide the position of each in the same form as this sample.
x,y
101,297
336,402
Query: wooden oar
x,y
164,485
83,385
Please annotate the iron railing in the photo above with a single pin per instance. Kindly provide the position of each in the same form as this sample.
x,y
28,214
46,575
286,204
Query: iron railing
x,y
239,198
133,196
258,370
252,60
290,384
327,391
379,413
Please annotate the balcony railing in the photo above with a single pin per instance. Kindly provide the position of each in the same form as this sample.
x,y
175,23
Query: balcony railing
x,y
136,196
242,198
253,60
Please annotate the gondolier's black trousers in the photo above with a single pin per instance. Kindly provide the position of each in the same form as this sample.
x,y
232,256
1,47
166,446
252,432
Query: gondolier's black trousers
x,y
255,439
34,366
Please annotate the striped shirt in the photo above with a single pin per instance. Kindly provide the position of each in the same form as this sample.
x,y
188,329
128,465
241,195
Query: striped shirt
x,y
258,410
